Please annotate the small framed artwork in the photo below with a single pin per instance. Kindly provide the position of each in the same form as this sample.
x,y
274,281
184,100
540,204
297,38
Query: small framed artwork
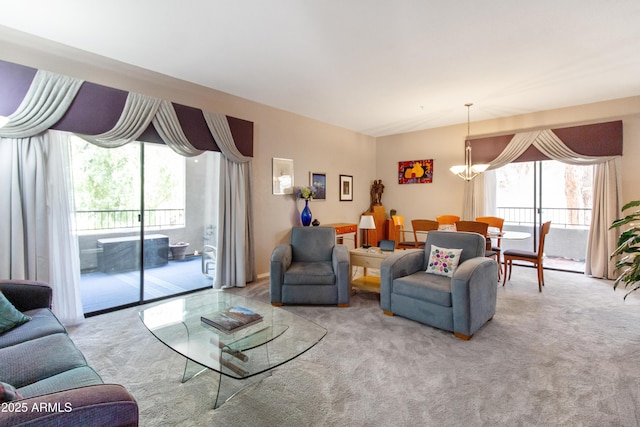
x,y
415,172
319,180
346,188
282,176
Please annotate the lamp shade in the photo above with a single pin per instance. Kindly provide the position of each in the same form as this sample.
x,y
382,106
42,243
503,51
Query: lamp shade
x,y
367,222
479,168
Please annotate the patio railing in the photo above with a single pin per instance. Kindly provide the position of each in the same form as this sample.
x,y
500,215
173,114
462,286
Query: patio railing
x,y
128,219
559,217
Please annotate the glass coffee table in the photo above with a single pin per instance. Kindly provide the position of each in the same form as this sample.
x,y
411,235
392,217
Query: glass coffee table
x,y
240,358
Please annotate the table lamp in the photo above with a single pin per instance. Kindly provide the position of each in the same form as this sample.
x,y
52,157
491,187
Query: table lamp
x,y
367,223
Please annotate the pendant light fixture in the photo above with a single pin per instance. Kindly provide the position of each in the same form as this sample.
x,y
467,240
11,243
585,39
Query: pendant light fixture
x,y
468,171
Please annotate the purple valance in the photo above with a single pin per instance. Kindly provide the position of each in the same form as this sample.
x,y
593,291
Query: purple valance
x,y
96,109
596,140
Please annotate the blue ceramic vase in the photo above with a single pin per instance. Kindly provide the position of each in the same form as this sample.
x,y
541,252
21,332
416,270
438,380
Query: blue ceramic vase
x,y
305,216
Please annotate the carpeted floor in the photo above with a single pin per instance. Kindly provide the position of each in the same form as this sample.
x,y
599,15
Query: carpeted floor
x,y
565,357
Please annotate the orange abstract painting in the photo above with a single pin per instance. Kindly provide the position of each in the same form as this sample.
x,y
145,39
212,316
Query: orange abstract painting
x,y
415,172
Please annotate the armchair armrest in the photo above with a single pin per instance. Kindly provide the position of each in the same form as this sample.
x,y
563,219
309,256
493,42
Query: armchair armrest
x,y
340,261
27,294
474,294
340,256
104,405
280,262
399,264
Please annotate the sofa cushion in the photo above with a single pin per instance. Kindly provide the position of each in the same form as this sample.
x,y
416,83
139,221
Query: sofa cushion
x,y
426,287
10,317
310,273
33,360
8,392
43,322
443,261
73,378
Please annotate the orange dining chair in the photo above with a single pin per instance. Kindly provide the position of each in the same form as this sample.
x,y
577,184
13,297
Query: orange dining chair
x,y
511,255
401,241
422,227
497,223
447,219
483,229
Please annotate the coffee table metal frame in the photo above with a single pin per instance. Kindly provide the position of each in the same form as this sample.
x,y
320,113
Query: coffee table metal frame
x,y
241,358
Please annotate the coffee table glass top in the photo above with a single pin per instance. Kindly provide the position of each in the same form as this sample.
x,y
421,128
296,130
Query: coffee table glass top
x,y
280,337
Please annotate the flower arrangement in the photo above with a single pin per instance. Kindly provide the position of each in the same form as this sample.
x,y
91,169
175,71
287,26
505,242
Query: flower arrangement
x,y
305,192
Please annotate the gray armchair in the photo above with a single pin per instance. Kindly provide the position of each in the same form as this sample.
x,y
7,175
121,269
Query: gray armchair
x,y
312,269
461,304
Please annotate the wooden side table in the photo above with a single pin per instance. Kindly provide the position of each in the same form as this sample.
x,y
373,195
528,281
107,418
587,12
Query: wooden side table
x,y
344,229
367,258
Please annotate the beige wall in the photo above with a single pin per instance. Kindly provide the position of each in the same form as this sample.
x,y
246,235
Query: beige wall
x,y
319,147
446,146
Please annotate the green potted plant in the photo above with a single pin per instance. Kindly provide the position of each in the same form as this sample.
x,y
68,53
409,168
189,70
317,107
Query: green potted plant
x,y
628,249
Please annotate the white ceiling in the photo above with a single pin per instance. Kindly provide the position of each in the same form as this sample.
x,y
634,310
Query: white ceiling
x,y
373,66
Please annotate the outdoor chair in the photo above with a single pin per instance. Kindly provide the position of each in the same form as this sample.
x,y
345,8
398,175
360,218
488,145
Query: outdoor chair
x,y
208,260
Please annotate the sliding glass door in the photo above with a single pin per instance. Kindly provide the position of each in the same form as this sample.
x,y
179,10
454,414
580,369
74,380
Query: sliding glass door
x,y
531,193
180,222
144,215
107,198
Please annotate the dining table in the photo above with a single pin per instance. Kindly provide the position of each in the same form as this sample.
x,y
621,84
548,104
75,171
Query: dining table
x,y
507,234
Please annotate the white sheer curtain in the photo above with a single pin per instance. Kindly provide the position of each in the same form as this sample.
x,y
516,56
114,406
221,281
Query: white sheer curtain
x,y
37,241
607,200
64,255
236,258
36,233
607,203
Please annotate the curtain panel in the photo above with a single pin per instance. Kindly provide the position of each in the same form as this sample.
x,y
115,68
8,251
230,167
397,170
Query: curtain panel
x,y
37,241
235,240
607,200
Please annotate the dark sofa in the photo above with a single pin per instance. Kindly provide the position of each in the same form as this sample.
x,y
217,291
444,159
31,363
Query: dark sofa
x,y
57,386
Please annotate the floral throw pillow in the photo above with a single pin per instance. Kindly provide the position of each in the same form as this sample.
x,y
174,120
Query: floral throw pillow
x,y
443,261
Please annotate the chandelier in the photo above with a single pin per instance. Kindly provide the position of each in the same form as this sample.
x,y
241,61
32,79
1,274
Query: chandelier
x,y
468,171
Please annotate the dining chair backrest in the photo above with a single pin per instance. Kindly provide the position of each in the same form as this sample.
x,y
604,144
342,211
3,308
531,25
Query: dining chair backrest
x,y
398,225
398,220
447,219
544,230
475,227
422,226
494,222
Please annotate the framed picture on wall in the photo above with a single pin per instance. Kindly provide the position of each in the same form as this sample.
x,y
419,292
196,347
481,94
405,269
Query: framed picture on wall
x,y
282,176
346,188
319,180
415,172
